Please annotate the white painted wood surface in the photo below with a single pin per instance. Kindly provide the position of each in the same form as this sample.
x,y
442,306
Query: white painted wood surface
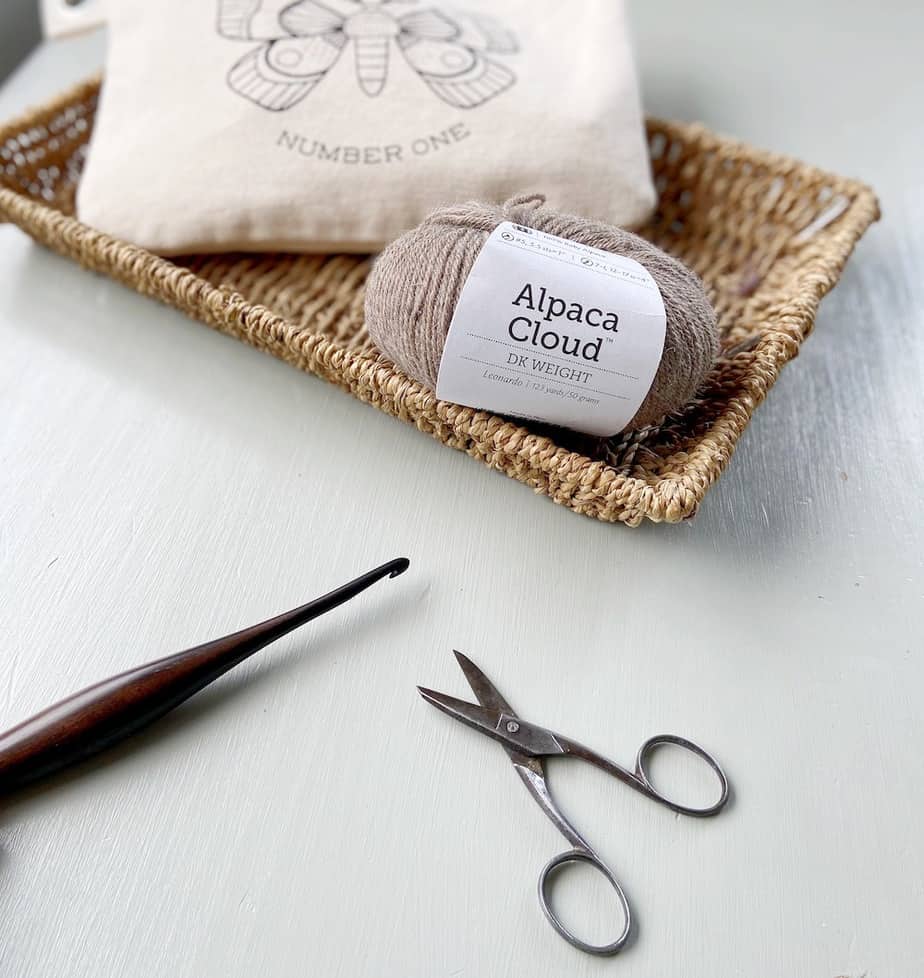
x,y
161,485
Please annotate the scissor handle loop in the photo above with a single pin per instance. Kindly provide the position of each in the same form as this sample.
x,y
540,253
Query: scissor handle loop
x,y
641,772
553,866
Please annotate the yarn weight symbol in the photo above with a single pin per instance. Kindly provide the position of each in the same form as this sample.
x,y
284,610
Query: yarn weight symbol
x,y
303,42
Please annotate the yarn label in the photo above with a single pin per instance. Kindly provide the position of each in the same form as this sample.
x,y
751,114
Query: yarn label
x,y
554,331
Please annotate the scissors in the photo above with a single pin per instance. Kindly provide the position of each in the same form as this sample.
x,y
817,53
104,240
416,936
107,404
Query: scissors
x,y
527,745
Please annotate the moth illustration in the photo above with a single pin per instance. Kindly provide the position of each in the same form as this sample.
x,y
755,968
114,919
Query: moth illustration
x,y
303,40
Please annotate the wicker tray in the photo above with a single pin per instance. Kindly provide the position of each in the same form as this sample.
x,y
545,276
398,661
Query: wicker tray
x,y
768,235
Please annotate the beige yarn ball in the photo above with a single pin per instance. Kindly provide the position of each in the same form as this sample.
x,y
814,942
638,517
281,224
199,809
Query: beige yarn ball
x,y
415,284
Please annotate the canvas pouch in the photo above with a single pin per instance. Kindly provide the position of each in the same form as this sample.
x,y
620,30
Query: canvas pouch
x,y
335,125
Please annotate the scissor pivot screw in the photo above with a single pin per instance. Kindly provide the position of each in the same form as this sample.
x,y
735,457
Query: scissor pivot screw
x,y
512,726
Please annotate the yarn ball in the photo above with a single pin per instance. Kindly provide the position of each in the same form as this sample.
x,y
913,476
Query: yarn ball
x,y
416,281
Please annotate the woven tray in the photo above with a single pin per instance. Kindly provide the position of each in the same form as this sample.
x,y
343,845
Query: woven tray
x,y
768,235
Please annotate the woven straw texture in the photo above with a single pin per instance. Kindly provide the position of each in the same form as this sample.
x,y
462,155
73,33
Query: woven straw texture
x,y
768,235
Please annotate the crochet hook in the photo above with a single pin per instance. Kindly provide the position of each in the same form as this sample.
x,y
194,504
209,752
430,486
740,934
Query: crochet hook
x,y
109,711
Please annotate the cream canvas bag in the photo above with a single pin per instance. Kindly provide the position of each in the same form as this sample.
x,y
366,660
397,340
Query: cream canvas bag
x,y
335,125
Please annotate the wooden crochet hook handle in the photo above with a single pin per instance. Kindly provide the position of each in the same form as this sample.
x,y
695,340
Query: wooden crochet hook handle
x,y
108,712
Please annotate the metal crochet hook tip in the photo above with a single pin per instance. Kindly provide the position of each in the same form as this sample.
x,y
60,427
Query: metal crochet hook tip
x,y
398,566
106,713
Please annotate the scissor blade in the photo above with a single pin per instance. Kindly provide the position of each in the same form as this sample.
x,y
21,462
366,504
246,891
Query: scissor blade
x,y
520,739
478,717
482,687
489,696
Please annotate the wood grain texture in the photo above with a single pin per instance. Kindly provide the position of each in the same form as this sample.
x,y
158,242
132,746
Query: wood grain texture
x,y
101,716
311,814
